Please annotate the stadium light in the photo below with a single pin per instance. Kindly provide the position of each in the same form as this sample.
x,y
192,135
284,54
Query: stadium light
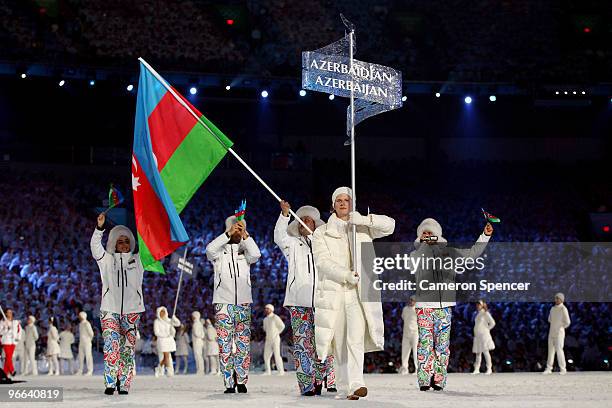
x,y
24,75
404,98
92,82
492,98
437,94
331,97
62,83
228,87
264,94
130,87
468,99
302,92
193,90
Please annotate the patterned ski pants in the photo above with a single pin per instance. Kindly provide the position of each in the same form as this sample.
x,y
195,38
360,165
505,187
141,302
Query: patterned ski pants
x,y
433,350
233,325
119,333
309,372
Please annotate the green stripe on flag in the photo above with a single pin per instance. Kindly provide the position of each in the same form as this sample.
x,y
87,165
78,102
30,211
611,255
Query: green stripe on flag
x,y
148,261
192,162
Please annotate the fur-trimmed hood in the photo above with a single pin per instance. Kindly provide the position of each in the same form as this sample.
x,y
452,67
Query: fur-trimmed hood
x,y
114,235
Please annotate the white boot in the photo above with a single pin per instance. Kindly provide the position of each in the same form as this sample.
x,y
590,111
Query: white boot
x,y
158,371
563,371
170,370
475,372
547,371
489,371
403,371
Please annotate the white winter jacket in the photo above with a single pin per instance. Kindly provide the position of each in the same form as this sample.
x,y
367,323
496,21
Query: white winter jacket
x,y
273,325
559,320
331,250
232,265
212,347
409,317
121,273
10,331
52,341
197,332
86,333
164,330
66,340
31,335
302,273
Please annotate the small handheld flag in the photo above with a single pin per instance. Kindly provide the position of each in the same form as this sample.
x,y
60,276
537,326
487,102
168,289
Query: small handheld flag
x,y
115,197
490,217
241,211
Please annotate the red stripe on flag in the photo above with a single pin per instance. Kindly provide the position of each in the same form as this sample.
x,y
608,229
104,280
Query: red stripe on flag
x,y
169,123
151,218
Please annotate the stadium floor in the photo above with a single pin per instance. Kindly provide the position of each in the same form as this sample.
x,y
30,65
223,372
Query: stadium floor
x,y
585,389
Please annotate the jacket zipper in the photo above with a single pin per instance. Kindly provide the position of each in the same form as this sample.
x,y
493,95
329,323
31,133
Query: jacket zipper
x,y
314,271
107,289
235,282
122,282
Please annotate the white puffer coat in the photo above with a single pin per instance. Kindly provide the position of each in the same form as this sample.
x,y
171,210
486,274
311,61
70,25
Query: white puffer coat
x,y
164,330
333,261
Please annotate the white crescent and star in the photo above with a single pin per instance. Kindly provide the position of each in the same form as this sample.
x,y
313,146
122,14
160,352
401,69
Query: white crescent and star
x,y
135,182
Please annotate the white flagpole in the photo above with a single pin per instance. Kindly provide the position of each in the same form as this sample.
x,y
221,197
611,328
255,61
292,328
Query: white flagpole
x,y
229,149
353,184
178,290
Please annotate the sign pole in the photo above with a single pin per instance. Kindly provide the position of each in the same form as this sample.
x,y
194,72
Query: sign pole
x,y
178,290
353,183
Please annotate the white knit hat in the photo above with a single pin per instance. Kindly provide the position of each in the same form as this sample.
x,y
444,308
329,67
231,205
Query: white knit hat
x,y
83,315
269,306
195,314
341,190
561,296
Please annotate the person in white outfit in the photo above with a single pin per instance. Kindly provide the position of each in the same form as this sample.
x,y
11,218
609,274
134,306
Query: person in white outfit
x,y
10,332
232,254
30,339
341,318
295,241
198,338
53,348
86,335
212,348
559,321
164,329
66,340
273,326
182,348
19,354
483,342
410,337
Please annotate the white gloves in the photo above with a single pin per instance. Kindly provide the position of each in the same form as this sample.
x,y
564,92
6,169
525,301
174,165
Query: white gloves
x,y
357,219
351,279
175,321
